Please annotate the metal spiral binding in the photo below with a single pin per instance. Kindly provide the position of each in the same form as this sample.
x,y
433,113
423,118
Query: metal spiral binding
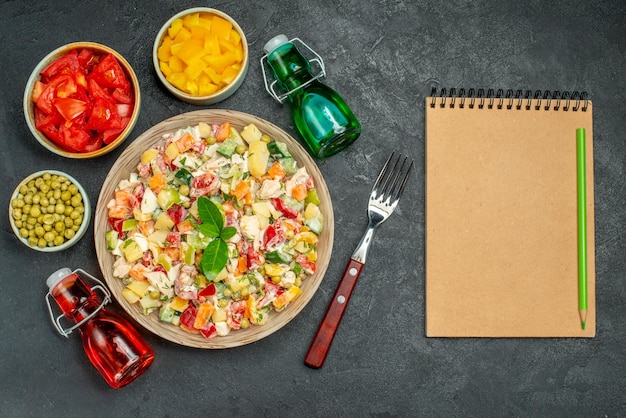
x,y
500,99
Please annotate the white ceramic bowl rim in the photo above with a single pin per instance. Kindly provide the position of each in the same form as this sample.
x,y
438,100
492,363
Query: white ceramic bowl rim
x,y
86,216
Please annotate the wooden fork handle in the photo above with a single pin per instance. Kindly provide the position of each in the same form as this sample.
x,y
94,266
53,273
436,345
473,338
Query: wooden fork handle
x,y
326,332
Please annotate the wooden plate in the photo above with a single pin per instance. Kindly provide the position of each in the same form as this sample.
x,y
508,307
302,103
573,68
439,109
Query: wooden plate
x,y
127,163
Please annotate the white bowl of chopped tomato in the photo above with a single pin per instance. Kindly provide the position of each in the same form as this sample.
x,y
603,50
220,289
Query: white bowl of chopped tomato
x,y
82,100
201,55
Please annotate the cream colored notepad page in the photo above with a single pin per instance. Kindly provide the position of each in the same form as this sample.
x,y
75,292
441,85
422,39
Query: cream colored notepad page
x,y
501,221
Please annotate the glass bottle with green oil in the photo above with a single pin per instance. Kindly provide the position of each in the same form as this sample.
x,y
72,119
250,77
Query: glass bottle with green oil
x,y
321,115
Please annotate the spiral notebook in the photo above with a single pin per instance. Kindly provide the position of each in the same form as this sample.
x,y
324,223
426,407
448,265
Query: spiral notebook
x,y
501,214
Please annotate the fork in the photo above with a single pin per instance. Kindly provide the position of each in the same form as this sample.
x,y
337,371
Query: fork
x,y
382,202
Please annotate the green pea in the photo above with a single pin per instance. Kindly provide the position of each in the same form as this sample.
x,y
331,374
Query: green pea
x,y
76,200
59,226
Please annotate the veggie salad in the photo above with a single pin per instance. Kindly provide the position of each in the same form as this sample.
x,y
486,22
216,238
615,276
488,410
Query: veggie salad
x,y
215,229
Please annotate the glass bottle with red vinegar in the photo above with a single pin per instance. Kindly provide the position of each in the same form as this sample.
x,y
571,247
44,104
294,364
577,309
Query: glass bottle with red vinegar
x,y
111,343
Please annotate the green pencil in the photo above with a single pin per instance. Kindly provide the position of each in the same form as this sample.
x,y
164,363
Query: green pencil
x,y
582,225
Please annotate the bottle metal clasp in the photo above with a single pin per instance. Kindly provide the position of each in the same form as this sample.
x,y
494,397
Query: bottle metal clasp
x,y
315,58
56,321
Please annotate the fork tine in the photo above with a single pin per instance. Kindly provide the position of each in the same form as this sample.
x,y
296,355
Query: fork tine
x,y
393,198
382,179
392,178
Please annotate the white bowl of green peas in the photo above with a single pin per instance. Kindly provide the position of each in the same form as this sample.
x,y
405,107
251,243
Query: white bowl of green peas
x,y
49,211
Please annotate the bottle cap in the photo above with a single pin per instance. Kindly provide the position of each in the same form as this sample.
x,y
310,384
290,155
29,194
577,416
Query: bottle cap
x,y
274,43
57,276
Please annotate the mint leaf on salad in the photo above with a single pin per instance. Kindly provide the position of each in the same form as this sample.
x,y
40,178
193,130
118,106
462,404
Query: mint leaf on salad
x,y
215,254
211,216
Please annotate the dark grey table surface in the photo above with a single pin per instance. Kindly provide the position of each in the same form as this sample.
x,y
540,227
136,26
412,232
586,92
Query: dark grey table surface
x,y
383,57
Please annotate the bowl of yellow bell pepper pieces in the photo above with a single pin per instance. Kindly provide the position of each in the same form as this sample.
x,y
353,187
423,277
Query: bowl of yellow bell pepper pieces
x,y
201,55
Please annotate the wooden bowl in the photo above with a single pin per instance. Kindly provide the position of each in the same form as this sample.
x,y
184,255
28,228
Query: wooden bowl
x,y
28,104
127,163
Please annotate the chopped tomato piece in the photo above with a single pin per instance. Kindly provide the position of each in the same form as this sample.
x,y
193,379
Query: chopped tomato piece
x,y
109,73
67,89
210,290
44,101
308,265
116,225
274,235
284,208
94,144
97,92
104,116
81,79
177,213
109,135
67,64
204,184
69,108
75,137
86,58
188,318
209,330
122,96
49,125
